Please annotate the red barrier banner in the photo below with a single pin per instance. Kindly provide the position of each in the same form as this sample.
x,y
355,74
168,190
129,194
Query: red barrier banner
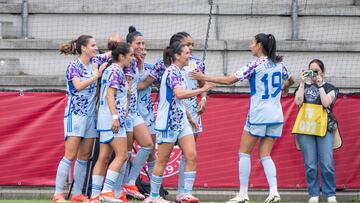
x,y
32,144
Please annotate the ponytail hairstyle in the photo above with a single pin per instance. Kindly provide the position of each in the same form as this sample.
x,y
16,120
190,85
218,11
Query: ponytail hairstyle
x,y
319,63
74,46
170,51
121,49
268,43
133,33
178,37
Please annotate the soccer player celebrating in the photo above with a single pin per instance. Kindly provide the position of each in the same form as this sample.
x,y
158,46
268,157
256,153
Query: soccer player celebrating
x,y
135,125
111,124
80,116
172,122
195,109
265,117
146,107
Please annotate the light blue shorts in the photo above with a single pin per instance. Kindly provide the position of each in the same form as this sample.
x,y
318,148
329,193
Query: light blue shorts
x,y
80,126
108,136
133,120
273,131
173,137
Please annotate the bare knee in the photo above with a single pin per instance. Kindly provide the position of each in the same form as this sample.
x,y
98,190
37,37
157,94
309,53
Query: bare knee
x,y
70,155
191,157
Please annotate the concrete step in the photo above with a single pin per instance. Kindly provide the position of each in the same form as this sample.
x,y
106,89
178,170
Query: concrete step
x,y
9,66
213,45
231,21
3,1
205,194
223,57
300,2
7,30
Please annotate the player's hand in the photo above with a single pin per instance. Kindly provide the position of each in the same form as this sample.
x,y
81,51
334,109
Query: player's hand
x,y
115,125
197,75
201,106
194,124
101,69
208,85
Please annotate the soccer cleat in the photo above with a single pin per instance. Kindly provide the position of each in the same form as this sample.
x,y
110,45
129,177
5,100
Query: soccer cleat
x,y
331,199
109,197
274,198
133,191
59,198
186,198
239,199
123,197
314,199
155,200
79,198
95,199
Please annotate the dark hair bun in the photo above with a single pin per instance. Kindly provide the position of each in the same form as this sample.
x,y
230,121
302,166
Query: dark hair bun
x,y
132,29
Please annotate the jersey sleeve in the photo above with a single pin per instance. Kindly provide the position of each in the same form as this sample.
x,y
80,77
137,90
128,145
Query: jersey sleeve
x,y
157,69
114,80
285,72
201,66
174,79
246,71
73,72
99,59
130,71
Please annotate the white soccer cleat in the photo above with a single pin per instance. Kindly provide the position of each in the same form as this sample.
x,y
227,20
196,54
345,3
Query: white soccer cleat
x,y
314,199
331,199
274,198
239,199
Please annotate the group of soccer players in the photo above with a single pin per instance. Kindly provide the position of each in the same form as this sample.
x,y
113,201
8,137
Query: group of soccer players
x,y
121,81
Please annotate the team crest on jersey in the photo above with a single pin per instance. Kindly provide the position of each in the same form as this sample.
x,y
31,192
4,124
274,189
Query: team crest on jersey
x,y
192,66
94,68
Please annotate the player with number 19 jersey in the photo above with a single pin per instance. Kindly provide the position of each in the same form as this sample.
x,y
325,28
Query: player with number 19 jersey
x,y
265,79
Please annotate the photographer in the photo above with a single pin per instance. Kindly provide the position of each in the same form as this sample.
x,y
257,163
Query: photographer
x,y
314,129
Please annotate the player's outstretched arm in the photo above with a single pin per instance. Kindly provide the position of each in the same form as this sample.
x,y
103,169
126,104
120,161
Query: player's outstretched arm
x,y
224,80
181,93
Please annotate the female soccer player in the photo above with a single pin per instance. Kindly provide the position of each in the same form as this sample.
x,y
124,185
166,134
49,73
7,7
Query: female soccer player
x,y
146,107
79,121
172,122
111,124
195,109
265,118
318,149
135,126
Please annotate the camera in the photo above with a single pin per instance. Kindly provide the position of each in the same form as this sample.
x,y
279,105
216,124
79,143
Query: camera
x,y
310,73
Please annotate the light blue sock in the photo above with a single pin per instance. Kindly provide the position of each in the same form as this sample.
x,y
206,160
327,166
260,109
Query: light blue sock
x,y
111,177
181,175
79,176
62,174
270,171
96,186
244,173
127,169
189,179
120,181
155,185
141,156
150,167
